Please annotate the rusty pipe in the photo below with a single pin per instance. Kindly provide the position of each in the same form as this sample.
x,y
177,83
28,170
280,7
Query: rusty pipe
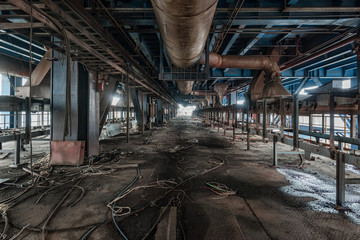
x,y
184,26
242,62
272,87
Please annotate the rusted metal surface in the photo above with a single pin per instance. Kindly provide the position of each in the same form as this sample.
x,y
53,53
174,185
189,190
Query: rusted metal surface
x,y
184,27
67,153
272,87
185,87
288,65
242,62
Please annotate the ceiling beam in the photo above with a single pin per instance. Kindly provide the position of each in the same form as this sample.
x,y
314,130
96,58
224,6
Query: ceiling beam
x,y
12,26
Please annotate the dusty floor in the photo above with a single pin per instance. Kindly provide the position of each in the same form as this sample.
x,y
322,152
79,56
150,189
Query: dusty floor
x,y
175,164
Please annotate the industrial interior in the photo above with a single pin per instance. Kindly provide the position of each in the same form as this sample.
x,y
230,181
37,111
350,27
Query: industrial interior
x,y
179,119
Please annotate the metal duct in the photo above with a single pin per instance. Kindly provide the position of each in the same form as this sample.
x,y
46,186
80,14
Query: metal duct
x,y
220,89
184,26
273,86
185,87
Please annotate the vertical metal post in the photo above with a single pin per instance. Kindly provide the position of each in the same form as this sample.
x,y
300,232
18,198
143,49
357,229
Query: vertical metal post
x,y
234,122
17,150
257,120
352,126
142,113
27,121
323,123
332,126
128,111
247,100
264,120
17,119
225,121
161,72
275,150
218,119
242,120
295,122
340,179
282,118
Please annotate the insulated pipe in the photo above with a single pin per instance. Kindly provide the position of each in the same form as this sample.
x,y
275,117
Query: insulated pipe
x,y
184,26
242,62
272,87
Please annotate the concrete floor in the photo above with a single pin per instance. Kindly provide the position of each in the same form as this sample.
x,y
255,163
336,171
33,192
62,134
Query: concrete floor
x,y
270,203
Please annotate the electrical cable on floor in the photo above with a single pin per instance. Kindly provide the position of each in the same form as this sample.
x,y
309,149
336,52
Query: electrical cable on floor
x,y
91,229
43,234
114,204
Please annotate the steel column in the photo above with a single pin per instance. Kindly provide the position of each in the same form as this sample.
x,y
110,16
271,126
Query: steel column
x,y
264,120
332,125
93,115
275,150
17,150
127,110
340,179
247,100
295,122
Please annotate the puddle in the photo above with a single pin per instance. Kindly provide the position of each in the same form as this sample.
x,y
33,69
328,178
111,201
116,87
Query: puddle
x,y
324,190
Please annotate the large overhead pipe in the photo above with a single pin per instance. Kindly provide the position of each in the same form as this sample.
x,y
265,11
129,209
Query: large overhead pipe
x,y
184,26
273,86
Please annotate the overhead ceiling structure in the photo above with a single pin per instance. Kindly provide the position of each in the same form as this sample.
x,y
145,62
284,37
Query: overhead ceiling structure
x,y
146,40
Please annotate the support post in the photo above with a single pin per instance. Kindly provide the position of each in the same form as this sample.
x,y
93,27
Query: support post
x,y
142,114
247,100
264,120
282,118
332,126
275,150
17,150
340,179
295,122
234,122
127,110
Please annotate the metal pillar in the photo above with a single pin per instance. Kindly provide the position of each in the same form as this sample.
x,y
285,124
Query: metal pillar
x,y
218,119
27,121
234,122
93,118
247,100
142,113
225,119
127,111
353,126
332,126
340,179
295,122
17,150
264,120
242,121
275,150
257,122
323,123
282,118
